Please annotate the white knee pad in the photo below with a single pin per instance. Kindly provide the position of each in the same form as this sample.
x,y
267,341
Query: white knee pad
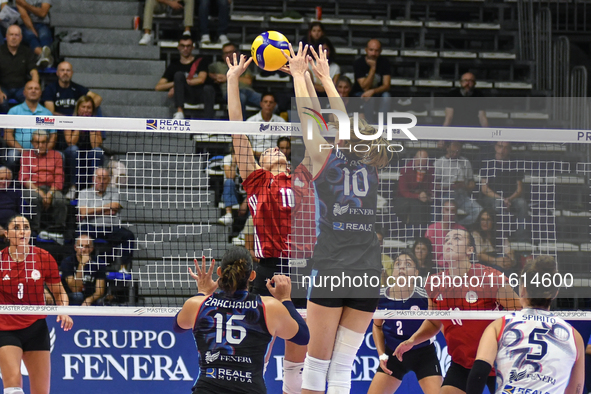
x,y
314,374
13,390
292,377
346,345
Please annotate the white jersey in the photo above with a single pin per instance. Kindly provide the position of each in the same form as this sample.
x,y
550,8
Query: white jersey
x,y
537,351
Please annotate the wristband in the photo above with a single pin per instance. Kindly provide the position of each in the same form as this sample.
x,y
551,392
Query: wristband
x,y
384,357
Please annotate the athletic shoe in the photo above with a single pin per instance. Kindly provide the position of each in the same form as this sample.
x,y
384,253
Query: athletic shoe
x,y
205,39
71,194
224,39
239,240
147,39
226,220
44,58
178,115
187,33
57,237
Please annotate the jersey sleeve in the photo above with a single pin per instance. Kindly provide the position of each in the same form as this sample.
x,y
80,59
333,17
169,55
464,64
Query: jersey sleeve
x,y
51,271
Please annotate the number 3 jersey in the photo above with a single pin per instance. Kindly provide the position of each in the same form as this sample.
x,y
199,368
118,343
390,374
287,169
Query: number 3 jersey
x,y
232,339
270,200
536,352
22,284
346,204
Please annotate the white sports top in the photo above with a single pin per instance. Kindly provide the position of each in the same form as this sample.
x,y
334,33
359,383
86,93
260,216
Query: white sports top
x,y
536,353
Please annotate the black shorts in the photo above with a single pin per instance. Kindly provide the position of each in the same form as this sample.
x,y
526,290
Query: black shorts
x,y
362,298
259,284
35,337
422,361
457,376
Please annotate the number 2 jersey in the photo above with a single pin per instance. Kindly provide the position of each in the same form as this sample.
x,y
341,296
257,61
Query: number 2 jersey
x,y
232,339
270,200
346,204
536,353
22,284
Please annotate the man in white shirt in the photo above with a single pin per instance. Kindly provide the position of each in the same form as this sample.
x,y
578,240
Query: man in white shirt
x,y
260,143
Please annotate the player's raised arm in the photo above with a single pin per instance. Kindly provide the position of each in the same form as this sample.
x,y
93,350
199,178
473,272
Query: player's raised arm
x,y
298,65
242,147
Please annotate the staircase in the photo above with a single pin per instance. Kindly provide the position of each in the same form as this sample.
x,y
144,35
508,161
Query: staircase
x,y
110,62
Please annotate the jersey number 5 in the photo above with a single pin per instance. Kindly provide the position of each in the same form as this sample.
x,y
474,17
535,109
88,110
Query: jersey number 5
x,y
229,329
541,342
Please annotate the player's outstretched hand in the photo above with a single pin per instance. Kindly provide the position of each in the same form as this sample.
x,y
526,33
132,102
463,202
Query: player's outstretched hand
x,y
203,277
280,287
67,322
320,67
403,348
237,67
298,64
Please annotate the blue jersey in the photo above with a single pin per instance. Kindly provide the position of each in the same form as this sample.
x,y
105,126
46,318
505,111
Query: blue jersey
x,y
397,331
232,339
346,204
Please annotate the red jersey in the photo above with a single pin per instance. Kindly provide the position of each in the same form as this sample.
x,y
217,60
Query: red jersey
x,y
22,284
270,200
303,237
463,337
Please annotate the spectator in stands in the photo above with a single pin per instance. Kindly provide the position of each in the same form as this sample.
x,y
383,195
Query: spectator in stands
x,y
185,80
261,142
217,73
36,30
284,145
10,199
42,179
84,153
98,209
387,262
223,20
372,76
160,7
353,105
82,276
335,69
248,232
489,249
315,33
17,66
415,190
436,232
18,140
463,111
233,195
60,96
423,250
502,186
454,179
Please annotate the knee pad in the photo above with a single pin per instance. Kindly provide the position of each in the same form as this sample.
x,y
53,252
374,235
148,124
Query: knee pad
x,y
292,377
314,374
13,390
346,345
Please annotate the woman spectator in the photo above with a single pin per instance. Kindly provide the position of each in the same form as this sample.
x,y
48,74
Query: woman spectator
x,y
388,334
25,338
315,33
423,250
462,337
490,250
84,153
353,104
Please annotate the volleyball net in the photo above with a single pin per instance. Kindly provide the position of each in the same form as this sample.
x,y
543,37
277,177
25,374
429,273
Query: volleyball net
x,y
173,193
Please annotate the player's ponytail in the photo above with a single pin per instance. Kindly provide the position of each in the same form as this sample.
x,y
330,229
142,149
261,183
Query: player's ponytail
x,y
539,295
236,268
378,155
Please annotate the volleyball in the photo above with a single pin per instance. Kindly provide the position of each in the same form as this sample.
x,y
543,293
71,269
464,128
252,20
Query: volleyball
x,y
266,50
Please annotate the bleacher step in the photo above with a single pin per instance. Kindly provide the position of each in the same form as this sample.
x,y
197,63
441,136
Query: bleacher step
x,y
96,7
117,66
120,81
135,111
133,97
92,21
100,36
110,51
